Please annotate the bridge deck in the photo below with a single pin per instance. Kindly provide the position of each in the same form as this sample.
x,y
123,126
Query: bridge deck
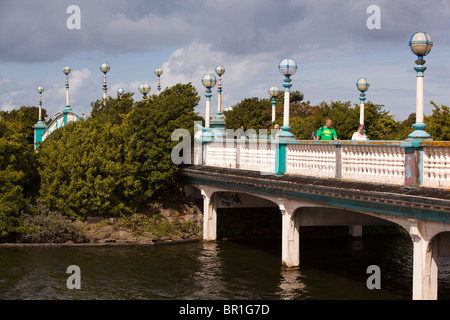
x,y
425,200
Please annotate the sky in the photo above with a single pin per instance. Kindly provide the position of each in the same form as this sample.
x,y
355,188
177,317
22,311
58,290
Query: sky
x,y
330,40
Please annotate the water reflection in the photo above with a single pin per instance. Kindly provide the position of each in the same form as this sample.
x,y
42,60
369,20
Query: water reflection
x,y
209,277
292,285
330,269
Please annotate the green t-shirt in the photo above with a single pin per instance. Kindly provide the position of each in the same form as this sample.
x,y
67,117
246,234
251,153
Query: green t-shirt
x,y
326,133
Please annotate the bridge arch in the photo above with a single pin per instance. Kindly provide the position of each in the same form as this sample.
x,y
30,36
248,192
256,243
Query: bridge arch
x,y
215,199
426,234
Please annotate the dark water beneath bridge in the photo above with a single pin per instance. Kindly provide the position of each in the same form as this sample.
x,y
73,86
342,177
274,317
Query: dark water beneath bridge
x,y
331,269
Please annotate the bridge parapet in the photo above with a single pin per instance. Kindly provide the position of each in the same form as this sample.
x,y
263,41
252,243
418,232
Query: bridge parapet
x,y
406,163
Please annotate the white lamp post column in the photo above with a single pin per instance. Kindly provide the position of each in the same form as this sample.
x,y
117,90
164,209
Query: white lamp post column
x,y
120,92
209,81
40,90
220,70
66,70
104,68
218,122
158,73
362,84
420,44
40,126
274,92
288,67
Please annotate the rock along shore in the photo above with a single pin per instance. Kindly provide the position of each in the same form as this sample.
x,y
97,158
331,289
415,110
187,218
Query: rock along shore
x,y
176,224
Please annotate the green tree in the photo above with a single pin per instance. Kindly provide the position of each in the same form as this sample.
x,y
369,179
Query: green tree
x,y
295,96
102,167
379,124
15,155
404,128
439,123
83,172
252,112
113,108
24,119
256,113
149,128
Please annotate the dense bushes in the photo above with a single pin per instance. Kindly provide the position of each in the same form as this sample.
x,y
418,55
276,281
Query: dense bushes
x,y
50,227
112,163
16,177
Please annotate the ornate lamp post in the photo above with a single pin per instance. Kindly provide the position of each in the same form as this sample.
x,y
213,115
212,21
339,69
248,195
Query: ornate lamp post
x,y
362,84
40,90
104,68
218,122
158,73
144,88
420,44
220,70
288,67
66,70
120,92
209,81
274,92
40,126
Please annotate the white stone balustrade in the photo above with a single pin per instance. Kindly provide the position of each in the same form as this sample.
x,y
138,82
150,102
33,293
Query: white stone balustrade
x,y
436,166
221,154
372,163
257,156
315,160
403,163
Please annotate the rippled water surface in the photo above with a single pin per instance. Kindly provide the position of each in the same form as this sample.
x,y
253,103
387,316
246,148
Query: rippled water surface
x,y
330,269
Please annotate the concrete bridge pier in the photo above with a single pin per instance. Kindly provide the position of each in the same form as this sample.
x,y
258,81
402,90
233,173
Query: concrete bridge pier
x,y
425,269
209,214
430,239
290,238
355,230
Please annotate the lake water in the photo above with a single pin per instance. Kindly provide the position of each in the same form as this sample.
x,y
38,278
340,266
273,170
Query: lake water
x,y
222,270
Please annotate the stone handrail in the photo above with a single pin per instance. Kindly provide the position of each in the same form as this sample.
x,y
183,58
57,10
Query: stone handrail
x,y
406,163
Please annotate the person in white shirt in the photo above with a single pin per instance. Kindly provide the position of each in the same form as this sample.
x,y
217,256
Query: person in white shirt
x,y
360,135
277,130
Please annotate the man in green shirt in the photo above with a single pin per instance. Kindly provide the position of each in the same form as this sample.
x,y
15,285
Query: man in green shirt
x,y
326,132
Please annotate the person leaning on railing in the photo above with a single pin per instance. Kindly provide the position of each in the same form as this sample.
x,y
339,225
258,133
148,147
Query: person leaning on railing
x,y
360,135
326,132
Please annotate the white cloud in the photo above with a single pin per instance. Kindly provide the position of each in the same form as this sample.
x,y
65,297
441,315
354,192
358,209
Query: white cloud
x,y
8,106
329,41
245,76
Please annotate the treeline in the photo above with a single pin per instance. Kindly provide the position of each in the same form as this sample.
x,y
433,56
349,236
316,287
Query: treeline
x,y
109,165
113,163
256,114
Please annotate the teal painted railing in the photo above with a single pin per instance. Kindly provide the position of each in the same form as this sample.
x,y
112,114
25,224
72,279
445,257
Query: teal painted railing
x,y
407,163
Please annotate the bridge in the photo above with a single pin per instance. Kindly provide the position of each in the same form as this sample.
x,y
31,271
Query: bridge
x,y
332,183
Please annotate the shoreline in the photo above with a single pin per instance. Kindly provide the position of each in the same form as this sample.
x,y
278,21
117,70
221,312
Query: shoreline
x,y
103,244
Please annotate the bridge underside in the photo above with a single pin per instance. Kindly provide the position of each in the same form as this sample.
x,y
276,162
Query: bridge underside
x,y
304,201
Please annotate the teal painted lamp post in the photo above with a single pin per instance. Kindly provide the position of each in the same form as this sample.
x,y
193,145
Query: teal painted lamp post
x,y
40,90
120,92
288,67
158,73
104,68
363,85
208,81
220,70
66,70
420,44
144,88
218,122
274,92
40,126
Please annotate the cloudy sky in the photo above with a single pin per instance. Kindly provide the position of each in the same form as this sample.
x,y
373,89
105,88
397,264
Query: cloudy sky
x,y
329,39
